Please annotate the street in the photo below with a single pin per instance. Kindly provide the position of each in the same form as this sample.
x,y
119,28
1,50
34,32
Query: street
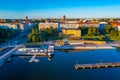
x,y
21,39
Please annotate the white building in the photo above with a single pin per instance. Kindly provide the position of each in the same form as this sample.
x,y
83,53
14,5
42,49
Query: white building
x,y
8,25
117,27
47,25
102,25
69,25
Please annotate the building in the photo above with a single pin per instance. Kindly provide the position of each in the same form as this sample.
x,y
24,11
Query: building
x,y
64,19
89,24
71,32
116,26
76,24
25,26
2,21
60,43
102,25
47,25
9,25
69,25
22,27
26,18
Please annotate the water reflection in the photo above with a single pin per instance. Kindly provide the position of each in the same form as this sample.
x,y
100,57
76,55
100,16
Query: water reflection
x,y
118,50
62,67
50,57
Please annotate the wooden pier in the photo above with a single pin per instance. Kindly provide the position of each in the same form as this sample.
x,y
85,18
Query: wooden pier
x,y
32,59
97,65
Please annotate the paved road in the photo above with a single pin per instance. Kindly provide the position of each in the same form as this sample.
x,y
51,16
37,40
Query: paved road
x,y
18,40
8,49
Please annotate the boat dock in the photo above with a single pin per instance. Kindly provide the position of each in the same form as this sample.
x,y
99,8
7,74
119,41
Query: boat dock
x,y
33,59
97,65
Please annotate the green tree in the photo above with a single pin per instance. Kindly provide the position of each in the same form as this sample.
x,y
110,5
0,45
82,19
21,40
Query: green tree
x,y
33,39
119,33
33,31
30,37
89,31
114,35
84,30
101,37
108,29
40,37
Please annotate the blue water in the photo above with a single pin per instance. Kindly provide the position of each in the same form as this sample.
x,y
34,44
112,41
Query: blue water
x,y
61,67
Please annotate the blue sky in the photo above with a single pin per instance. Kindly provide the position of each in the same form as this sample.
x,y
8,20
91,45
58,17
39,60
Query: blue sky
x,y
58,8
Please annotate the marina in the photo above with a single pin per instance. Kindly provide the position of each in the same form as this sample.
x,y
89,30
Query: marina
x,y
65,62
21,51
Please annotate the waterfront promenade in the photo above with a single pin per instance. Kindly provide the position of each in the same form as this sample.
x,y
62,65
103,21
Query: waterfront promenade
x,y
69,47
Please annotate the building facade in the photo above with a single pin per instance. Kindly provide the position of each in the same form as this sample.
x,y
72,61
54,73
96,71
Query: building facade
x,y
102,25
64,19
89,24
71,32
25,27
47,25
9,25
77,24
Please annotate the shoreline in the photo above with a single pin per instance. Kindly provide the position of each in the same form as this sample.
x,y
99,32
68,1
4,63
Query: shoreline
x,y
82,47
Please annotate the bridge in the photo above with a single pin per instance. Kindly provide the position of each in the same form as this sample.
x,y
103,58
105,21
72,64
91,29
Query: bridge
x,y
8,54
97,65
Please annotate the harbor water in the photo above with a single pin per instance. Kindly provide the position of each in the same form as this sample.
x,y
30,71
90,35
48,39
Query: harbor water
x,y
61,66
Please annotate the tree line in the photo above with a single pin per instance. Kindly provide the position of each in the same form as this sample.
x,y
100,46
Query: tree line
x,y
47,34
108,33
8,33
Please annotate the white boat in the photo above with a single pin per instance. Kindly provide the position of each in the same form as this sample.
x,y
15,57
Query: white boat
x,y
41,51
52,47
36,50
45,50
32,51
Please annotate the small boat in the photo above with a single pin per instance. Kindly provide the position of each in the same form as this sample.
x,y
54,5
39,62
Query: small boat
x,y
41,51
